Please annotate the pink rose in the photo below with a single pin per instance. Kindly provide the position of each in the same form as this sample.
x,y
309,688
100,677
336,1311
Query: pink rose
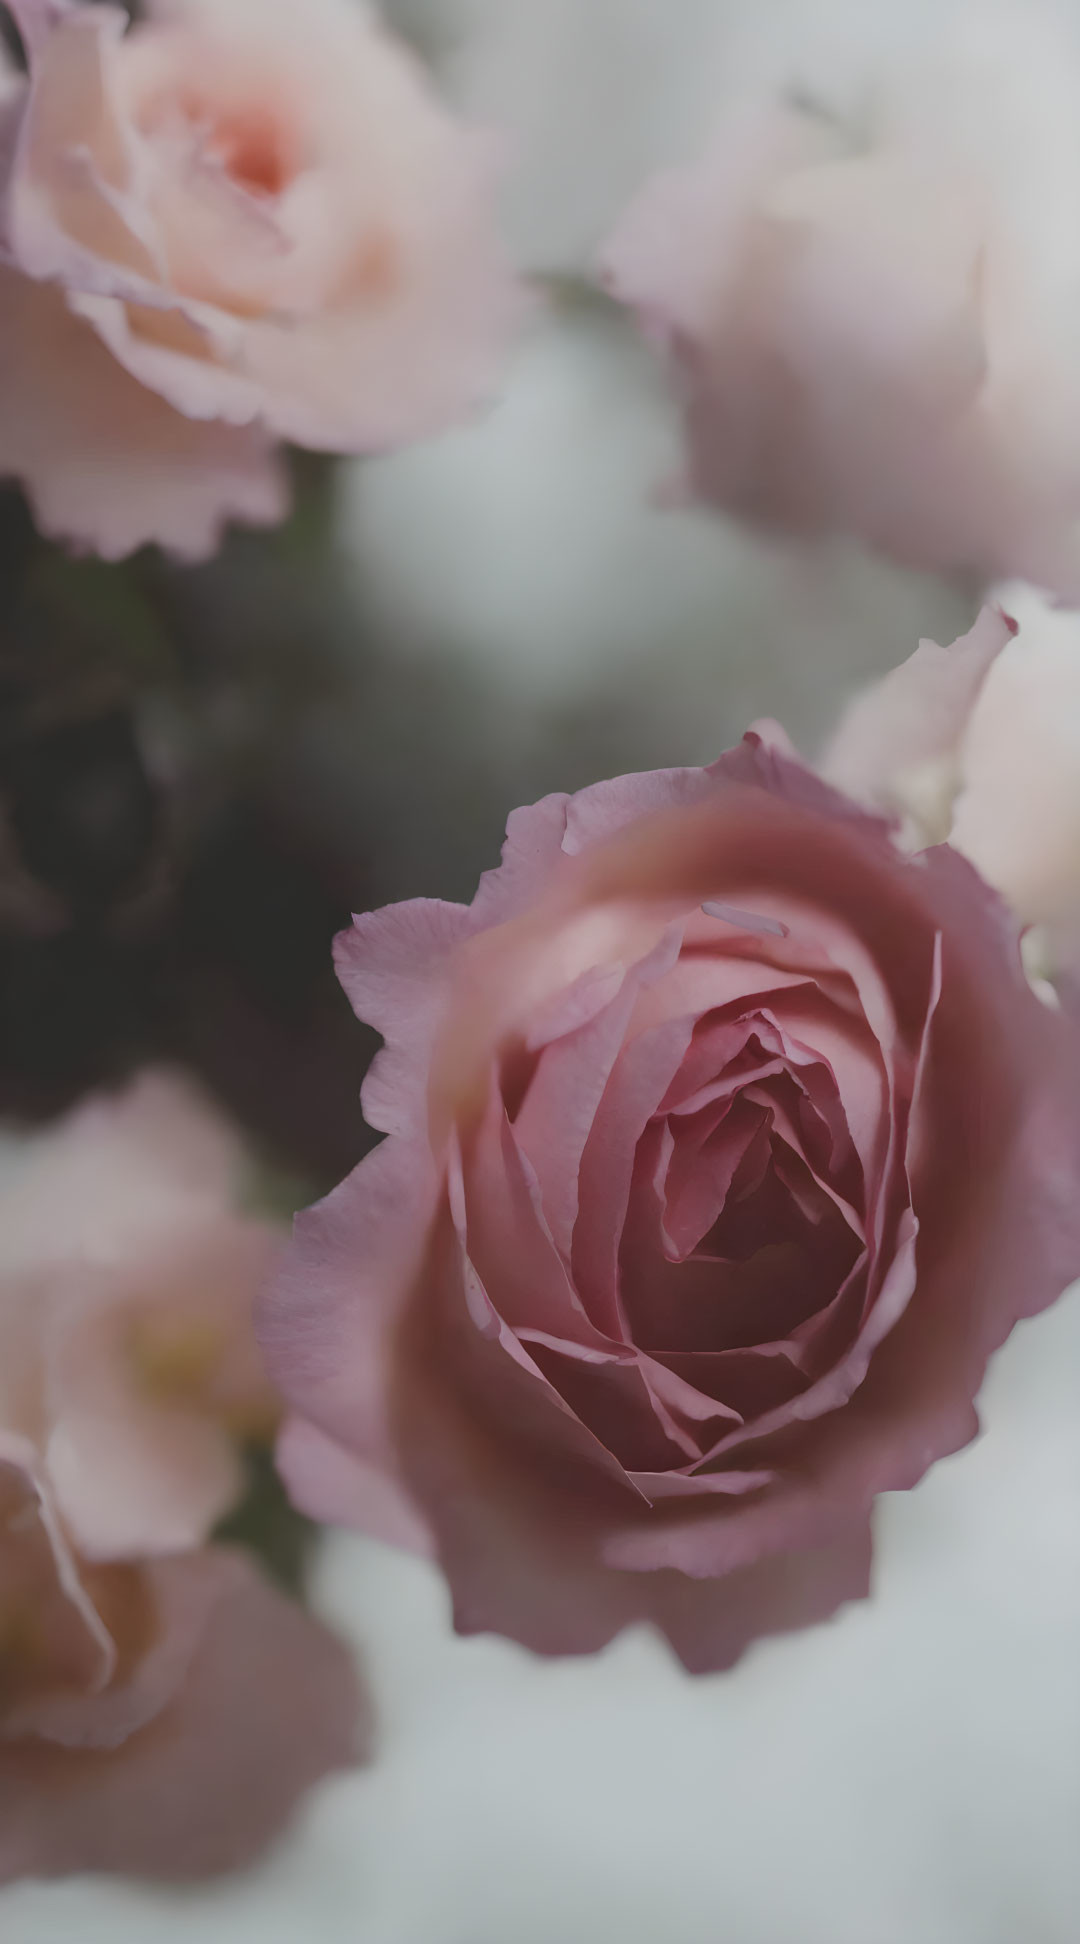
x,y
249,220
139,1667
725,1142
866,322
167,1723
127,1283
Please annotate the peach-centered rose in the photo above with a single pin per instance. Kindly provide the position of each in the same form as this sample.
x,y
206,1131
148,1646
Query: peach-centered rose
x,y
161,1706
257,211
725,1141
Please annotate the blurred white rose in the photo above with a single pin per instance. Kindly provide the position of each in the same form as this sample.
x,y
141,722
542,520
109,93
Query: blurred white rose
x,y
980,744
874,313
1017,815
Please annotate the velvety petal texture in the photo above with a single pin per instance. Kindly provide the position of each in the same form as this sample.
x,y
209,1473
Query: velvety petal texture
x,y
248,223
725,1141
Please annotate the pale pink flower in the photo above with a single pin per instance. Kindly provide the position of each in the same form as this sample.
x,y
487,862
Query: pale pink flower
x,y
161,1707
127,1280
262,216
158,1720
724,1143
872,317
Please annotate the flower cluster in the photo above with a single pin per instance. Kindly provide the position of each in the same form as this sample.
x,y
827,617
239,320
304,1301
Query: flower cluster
x,y
731,1128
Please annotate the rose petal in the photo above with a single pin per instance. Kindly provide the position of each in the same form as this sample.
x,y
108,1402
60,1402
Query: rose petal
x,y
105,462
269,1705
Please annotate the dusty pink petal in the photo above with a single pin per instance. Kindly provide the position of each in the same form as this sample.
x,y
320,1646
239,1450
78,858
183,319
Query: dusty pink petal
x,y
564,1095
333,1486
990,1253
814,1032
394,967
531,852
605,809
53,1634
711,1624
497,1371
638,1084
328,1316
269,1705
532,1573
505,1228
158,1614
1014,1154
106,463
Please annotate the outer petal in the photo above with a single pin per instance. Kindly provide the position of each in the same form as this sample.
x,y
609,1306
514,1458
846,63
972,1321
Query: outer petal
x,y
269,1706
902,738
710,1624
1018,812
108,464
524,1563
156,1618
43,1602
329,1315
67,213
394,967
331,1485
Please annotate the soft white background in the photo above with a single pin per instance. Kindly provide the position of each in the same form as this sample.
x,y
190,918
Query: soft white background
x,y
908,1774
911,1773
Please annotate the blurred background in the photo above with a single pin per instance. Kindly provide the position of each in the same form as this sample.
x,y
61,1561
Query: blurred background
x,y
203,771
